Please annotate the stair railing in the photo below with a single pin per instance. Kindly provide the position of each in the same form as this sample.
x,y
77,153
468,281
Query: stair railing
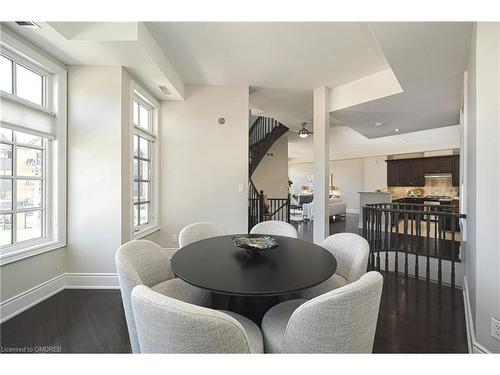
x,y
261,128
417,240
278,209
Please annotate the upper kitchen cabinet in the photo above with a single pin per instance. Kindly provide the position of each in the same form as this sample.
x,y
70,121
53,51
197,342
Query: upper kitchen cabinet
x,y
455,174
392,172
405,172
411,172
417,172
438,164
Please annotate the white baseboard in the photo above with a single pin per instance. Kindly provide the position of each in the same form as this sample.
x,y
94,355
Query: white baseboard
x,y
91,281
23,301
474,346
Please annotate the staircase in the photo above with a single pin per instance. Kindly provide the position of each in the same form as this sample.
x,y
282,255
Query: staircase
x,y
264,131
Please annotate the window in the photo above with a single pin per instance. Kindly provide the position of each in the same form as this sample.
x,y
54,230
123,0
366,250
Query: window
x,y
21,79
5,74
22,180
32,151
144,178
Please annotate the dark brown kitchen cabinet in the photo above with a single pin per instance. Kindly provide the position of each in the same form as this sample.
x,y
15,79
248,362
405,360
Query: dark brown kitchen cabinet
x,y
438,164
405,172
411,172
417,172
455,174
392,172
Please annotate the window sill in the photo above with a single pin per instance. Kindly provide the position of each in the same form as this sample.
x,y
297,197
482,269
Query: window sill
x,y
145,232
30,251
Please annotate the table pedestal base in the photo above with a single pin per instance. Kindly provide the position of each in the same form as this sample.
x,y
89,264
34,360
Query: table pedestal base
x,y
253,308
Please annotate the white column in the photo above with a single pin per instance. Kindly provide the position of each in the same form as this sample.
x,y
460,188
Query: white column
x,y
321,226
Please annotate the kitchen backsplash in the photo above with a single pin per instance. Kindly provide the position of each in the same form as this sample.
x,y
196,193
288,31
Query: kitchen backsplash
x,y
433,186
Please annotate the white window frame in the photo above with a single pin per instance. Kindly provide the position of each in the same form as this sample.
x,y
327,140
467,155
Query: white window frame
x,y
46,81
54,103
45,208
143,97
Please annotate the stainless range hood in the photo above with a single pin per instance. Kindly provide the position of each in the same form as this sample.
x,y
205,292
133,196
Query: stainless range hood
x,y
437,175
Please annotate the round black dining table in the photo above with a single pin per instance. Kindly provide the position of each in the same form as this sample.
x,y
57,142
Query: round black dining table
x,y
252,283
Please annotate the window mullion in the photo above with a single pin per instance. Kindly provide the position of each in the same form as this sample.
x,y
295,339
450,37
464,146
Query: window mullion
x,y
14,191
14,78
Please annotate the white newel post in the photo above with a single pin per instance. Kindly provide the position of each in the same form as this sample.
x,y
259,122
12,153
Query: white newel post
x,y
321,227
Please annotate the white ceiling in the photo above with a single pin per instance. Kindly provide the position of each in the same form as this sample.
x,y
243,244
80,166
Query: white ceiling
x,y
107,43
423,53
290,107
423,107
428,59
292,55
346,143
283,62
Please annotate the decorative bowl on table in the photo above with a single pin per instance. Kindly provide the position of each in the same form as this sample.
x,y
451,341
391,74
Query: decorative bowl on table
x,y
254,245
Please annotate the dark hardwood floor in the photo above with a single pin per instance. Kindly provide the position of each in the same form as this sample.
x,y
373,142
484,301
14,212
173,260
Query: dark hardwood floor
x,y
72,321
348,223
414,318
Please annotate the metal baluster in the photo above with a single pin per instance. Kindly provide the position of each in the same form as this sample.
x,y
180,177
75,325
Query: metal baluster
x,y
372,236
428,244
405,242
412,234
396,256
379,237
387,239
439,224
453,223
417,232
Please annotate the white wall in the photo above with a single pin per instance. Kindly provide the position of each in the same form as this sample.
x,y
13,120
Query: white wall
x,y
483,182
271,175
94,168
20,276
202,163
375,173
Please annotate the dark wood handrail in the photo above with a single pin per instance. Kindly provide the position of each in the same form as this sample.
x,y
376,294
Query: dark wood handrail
x,y
430,232
410,204
429,212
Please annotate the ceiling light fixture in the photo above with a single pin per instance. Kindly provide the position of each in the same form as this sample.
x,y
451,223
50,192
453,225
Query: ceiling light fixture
x,y
396,130
303,133
377,124
28,24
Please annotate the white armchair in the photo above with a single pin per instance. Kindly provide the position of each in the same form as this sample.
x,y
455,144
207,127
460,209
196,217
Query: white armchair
x,y
143,262
351,252
167,325
199,231
341,321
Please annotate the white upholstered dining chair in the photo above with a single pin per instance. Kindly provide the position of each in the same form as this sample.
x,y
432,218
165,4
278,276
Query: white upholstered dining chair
x,y
167,325
143,262
276,228
351,252
341,321
199,231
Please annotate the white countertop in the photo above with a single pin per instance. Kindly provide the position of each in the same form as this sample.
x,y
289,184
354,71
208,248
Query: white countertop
x,y
374,192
